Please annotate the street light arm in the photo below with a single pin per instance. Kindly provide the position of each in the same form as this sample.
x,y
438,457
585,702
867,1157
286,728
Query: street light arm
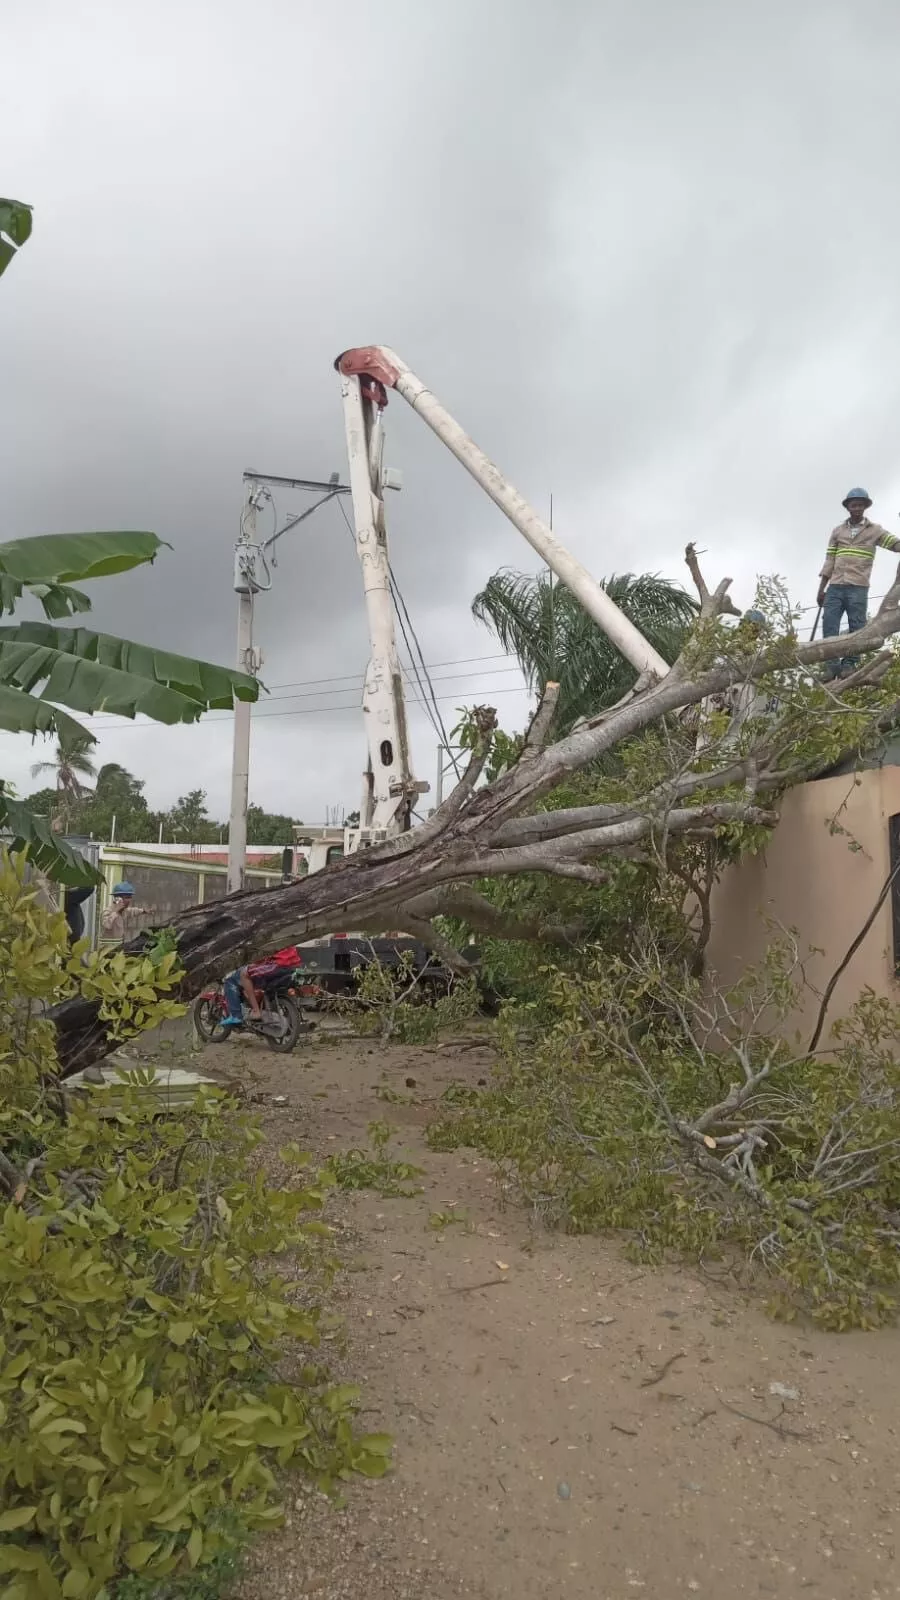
x,y
301,517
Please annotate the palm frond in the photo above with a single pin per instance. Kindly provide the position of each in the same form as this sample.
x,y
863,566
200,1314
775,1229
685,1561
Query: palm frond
x,y
546,628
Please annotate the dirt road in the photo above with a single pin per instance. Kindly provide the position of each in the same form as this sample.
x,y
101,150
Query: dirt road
x,y
567,1423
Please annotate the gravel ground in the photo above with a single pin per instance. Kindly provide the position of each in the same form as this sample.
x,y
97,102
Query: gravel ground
x,y
565,1423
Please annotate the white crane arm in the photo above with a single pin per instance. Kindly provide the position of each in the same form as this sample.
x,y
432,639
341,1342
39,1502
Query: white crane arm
x,y
390,790
381,369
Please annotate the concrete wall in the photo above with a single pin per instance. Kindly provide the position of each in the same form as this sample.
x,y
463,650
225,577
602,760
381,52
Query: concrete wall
x,y
811,880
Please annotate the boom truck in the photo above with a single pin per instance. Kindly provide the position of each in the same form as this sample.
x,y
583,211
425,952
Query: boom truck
x,y
390,789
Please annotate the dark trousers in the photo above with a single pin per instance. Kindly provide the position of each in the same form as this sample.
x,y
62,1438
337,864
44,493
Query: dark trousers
x,y
233,995
850,600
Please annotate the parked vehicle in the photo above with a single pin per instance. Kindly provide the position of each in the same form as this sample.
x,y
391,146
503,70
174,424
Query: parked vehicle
x,y
280,1024
332,966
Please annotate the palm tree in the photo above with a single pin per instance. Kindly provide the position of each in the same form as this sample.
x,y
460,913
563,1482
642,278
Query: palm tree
x,y
553,639
71,762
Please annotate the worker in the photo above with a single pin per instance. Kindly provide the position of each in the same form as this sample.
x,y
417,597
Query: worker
x,y
117,921
845,577
243,982
73,901
744,701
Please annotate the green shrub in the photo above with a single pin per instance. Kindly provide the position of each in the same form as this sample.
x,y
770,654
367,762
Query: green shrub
x,y
374,1169
156,1368
396,1002
682,1116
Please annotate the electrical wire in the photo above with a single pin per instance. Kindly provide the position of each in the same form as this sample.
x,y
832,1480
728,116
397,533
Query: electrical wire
x,y
401,607
249,568
348,688
262,716
453,661
421,685
414,650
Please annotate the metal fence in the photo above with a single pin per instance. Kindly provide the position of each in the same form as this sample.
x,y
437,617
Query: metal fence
x,y
165,886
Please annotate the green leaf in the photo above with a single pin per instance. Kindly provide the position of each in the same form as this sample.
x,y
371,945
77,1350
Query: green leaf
x,y
17,1517
63,1425
195,1546
180,1332
97,672
21,712
370,1466
60,558
50,853
61,600
76,1582
15,229
137,1555
376,1444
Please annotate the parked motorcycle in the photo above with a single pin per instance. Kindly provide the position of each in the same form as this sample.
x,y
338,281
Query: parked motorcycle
x,y
281,1021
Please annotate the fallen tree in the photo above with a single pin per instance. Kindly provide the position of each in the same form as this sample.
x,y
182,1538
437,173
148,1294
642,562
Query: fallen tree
x,y
673,786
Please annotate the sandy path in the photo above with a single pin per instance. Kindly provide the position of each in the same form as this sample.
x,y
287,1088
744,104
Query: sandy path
x,y
568,1424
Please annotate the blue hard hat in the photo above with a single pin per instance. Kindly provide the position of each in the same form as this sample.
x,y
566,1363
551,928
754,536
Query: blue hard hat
x,y
856,494
123,890
754,616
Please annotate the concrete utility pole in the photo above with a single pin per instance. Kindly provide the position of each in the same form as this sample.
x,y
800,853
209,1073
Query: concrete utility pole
x,y
252,576
446,767
246,553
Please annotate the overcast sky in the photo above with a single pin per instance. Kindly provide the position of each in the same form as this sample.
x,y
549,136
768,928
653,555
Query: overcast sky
x,y
647,254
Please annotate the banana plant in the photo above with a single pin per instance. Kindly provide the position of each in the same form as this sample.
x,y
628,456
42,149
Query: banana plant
x,y
15,229
45,668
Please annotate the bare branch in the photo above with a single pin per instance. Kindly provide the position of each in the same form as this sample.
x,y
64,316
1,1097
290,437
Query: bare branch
x,y
713,604
422,928
539,727
460,900
576,869
844,963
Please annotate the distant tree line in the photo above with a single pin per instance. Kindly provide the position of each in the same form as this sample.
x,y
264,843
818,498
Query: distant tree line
x,y
76,808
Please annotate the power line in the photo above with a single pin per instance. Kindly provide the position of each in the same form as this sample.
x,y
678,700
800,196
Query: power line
x,y
414,650
262,716
449,677
338,677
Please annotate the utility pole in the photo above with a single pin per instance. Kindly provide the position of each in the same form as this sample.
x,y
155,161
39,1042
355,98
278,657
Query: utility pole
x,y
444,768
246,557
251,577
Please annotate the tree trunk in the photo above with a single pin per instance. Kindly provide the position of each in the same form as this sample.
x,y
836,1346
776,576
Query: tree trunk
x,y
502,829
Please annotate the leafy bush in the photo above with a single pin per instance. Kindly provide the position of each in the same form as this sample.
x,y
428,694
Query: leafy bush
x,y
145,1328
374,1169
399,1003
682,1115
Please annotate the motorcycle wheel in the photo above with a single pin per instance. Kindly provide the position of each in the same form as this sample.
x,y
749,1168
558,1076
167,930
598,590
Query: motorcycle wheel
x,y
207,1015
289,1013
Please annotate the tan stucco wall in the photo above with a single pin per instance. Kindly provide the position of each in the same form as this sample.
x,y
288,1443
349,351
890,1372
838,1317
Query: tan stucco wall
x,y
809,879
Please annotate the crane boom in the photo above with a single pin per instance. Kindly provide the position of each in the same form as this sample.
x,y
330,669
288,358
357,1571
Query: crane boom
x,y
389,790
378,369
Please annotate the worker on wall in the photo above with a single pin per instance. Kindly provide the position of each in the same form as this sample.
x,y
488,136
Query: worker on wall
x,y
847,573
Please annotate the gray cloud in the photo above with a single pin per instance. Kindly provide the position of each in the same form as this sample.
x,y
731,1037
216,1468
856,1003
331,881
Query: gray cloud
x,y
646,254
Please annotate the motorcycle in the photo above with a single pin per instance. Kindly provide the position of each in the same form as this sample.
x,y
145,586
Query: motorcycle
x,y
280,1024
